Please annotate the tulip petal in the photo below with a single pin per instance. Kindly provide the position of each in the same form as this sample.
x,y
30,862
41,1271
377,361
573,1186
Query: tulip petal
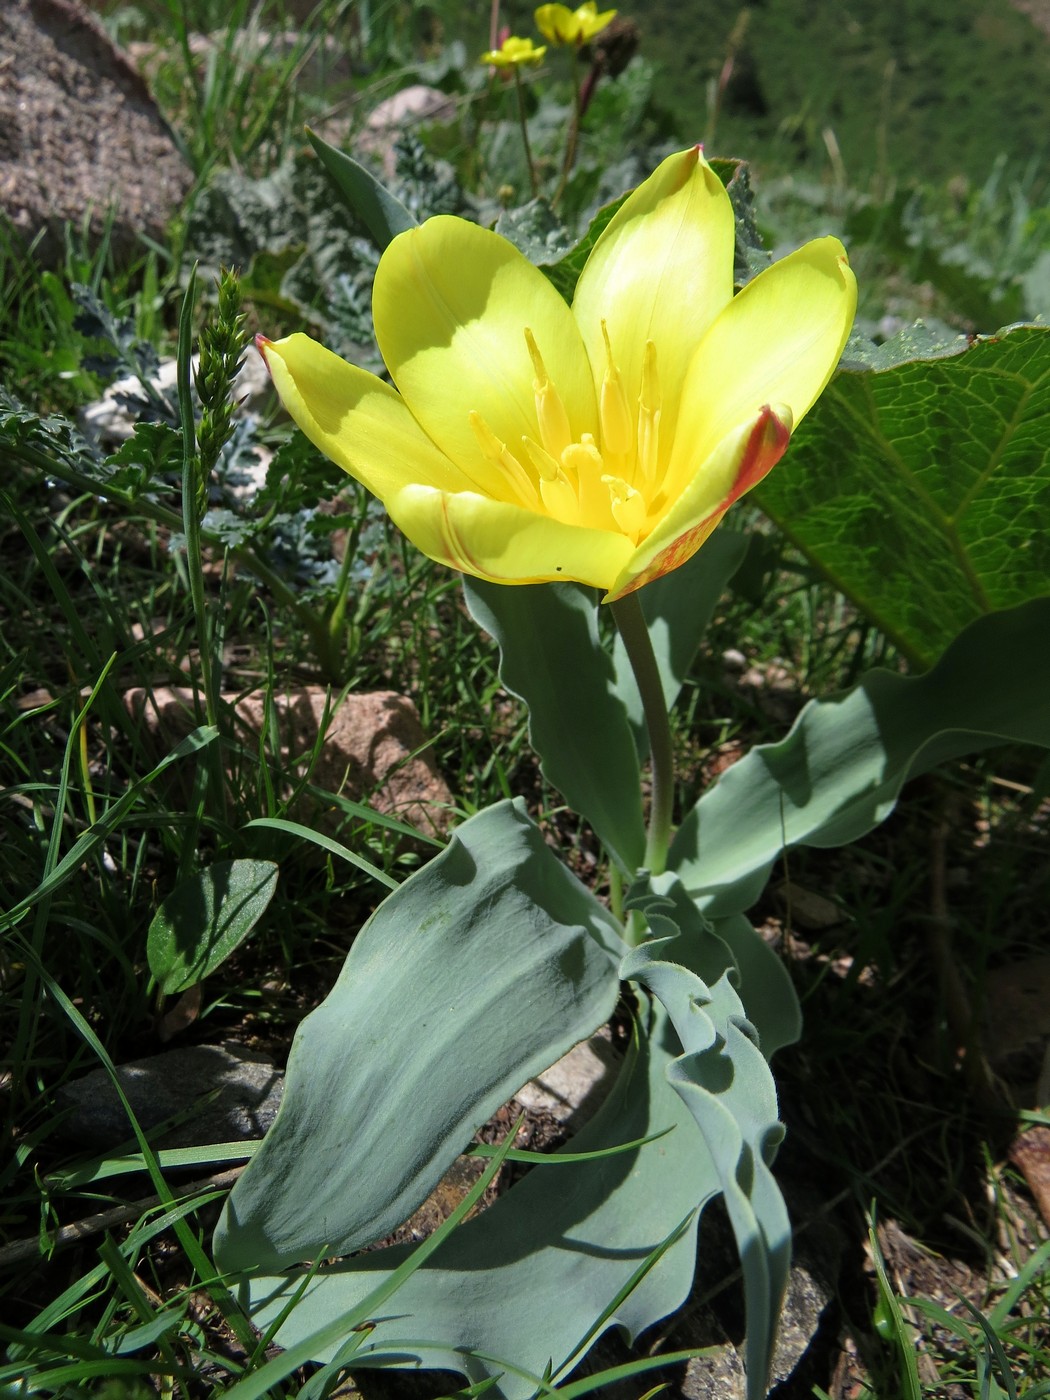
x,y
662,270
355,419
451,304
739,462
778,341
505,543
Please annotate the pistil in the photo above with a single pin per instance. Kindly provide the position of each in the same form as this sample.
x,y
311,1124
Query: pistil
x,y
628,506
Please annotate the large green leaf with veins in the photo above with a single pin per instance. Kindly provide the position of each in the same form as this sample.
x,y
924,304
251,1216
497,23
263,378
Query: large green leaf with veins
x,y
922,491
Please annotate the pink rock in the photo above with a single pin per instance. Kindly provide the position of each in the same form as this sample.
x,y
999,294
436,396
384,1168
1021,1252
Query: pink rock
x,y
374,750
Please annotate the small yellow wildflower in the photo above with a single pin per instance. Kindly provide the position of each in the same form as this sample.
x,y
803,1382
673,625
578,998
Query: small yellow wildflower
x,y
560,25
515,53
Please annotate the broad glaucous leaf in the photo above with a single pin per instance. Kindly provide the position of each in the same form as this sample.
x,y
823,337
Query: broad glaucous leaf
x,y
724,1080
923,491
381,212
838,772
519,1287
551,657
711,947
477,973
205,918
765,986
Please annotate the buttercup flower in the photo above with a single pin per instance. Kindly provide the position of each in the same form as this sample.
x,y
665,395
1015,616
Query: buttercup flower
x,y
528,441
514,53
560,25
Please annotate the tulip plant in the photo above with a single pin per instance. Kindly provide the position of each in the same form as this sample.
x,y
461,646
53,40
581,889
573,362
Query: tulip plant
x,y
568,455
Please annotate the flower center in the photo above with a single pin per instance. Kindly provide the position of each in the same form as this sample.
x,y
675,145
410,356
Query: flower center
x,y
608,485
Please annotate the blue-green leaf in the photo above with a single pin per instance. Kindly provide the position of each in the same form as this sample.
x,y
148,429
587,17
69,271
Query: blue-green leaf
x,y
725,1082
711,947
475,975
204,918
552,659
768,994
839,771
517,1289
381,212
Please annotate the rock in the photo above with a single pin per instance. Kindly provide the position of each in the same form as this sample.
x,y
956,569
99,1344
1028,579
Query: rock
x,y
246,1089
111,419
78,132
572,1090
416,105
1030,1154
374,749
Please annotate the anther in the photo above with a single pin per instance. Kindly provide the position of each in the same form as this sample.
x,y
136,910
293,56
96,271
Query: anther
x,y
500,454
555,432
557,492
613,407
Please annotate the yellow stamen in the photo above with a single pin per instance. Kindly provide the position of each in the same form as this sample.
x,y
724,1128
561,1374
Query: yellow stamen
x,y
628,506
614,410
557,492
649,419
555,432
500,454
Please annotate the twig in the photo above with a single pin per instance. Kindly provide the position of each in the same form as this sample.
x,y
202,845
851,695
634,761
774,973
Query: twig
x,y
19,1251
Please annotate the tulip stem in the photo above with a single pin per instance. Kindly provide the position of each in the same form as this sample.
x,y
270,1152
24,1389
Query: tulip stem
x,y
630,621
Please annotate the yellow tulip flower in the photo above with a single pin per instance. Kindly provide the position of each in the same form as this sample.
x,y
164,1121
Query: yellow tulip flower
x,y
528,441
514,53
560,25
